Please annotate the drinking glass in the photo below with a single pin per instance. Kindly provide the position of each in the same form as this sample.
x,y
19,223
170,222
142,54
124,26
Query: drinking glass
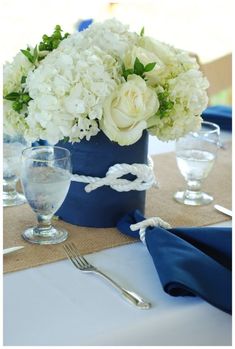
x,y
12,149
195,155
45,177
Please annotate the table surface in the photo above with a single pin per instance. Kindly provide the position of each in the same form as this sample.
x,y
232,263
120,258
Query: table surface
x,y
55,304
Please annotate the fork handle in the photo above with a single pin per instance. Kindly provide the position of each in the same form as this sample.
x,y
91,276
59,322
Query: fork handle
x,y
130,296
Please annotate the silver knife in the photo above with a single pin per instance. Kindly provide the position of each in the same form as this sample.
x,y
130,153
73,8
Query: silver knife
x,y
12,249
223,210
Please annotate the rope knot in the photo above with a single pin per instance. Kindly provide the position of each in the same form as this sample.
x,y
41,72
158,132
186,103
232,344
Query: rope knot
x,y
149,222
145,178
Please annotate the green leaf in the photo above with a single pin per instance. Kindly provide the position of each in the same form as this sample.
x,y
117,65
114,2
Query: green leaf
x,y
17,106
149,67
55,43
35,53
13,96
28,55
166,105
42,46
45,37
142,32
138,67
58,28
41,58
127,72
23,79
26,98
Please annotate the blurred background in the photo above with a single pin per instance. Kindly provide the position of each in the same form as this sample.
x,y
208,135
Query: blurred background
x,y
202,27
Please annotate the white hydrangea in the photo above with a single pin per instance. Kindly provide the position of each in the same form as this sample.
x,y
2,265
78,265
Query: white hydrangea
x,y
69,87
188,93
13,72
72,85
13,122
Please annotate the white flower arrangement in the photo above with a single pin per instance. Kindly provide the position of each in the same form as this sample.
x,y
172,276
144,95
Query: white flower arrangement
x,y
104,78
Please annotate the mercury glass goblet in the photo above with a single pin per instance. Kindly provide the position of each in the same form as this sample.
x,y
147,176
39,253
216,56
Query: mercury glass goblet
x,y
45,177
195,155
12,149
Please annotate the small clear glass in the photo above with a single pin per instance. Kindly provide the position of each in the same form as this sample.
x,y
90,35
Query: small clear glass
x,y
195,155
45,177
12,150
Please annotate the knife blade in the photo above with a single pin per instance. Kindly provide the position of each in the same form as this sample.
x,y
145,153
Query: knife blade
x,y
223,210
12,249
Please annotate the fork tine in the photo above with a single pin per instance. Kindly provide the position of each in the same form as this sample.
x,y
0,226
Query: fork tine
x,y
80,257
72,256
76,255
67,251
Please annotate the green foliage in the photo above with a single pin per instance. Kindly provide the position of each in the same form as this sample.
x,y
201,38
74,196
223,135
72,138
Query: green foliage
x,y
13,96
142,32
149,67
48,43
23,79
28,55
166,104
138,69
126,72
19,99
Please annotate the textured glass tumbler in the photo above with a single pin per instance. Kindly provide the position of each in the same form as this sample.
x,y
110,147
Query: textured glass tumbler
x,y
195,155
12,150
45,177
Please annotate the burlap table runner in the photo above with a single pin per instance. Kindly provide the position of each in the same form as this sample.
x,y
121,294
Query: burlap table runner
x,y
159,203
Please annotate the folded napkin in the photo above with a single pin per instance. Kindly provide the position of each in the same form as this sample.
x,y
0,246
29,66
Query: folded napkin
x,y
190,261
220,115
39,143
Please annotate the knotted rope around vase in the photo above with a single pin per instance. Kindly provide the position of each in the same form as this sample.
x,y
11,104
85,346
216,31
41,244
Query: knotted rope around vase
x,y
144,180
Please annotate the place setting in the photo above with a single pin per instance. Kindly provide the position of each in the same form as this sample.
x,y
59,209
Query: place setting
x,y
78,176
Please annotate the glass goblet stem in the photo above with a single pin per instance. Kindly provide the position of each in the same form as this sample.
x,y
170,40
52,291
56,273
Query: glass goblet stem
x,y
44,225
9,188
193,190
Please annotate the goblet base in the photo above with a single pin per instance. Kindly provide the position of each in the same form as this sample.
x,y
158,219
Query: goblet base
x,y
47,237
198,200
13,200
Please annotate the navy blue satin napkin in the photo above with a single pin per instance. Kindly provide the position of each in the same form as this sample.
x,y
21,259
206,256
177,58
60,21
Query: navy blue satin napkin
x,y
220,115
193,261
39,143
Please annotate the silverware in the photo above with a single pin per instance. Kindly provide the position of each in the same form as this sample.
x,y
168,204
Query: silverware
x,y
82,264
12,249
223,210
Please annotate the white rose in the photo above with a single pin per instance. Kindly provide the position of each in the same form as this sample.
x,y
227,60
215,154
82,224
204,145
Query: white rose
x,y
163,51
127,109
145,57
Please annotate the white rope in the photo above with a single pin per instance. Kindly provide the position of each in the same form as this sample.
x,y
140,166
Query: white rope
x,y
145,178
149,222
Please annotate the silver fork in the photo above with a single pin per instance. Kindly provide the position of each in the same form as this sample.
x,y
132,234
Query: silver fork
x,y
82,264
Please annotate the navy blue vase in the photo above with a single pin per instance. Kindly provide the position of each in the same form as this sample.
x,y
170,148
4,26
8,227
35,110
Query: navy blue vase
x,y
104,206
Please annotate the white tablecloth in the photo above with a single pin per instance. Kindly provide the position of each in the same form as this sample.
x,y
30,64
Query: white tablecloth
x,y
55,304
